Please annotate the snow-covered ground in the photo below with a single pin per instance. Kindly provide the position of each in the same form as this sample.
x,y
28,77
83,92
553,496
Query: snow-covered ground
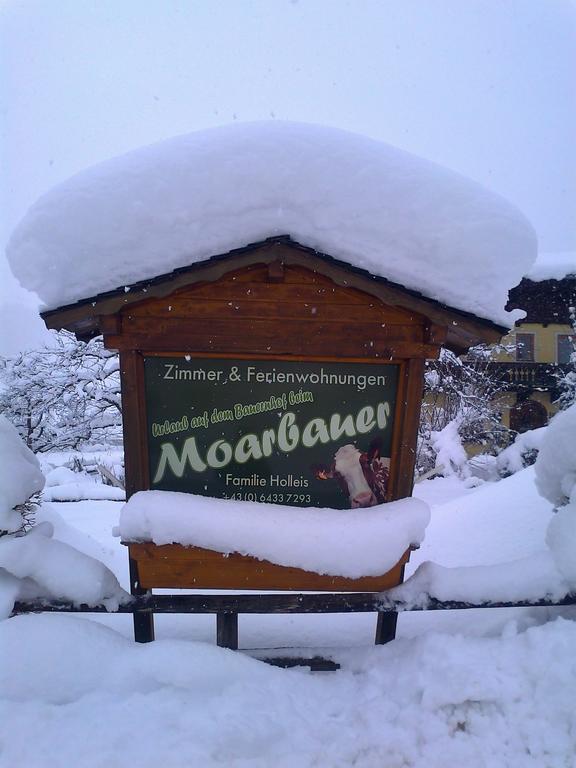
x,y
462,688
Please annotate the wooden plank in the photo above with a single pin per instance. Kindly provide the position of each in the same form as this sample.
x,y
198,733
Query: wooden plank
x,y
292,274
276,272
230,290
172,566
272,329
110,323
316,663
110,476
343,602
186,309
397,432
290,358
247,343
134,422
436,334
412,391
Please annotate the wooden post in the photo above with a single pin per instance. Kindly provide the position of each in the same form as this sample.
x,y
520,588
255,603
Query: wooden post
x,y
386,627
412,391
134,422
143,622
227,630
135,465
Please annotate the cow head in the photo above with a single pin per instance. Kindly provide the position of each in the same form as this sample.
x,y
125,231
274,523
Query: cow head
x,y
362,476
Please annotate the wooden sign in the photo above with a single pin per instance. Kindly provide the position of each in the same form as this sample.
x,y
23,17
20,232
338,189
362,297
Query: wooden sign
x,y
283,432
273,373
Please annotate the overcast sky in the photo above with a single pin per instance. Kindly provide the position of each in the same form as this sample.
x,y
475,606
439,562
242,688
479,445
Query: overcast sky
x,y
487,87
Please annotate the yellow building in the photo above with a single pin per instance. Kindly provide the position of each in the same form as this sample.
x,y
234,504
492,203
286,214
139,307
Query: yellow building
x,y
542,344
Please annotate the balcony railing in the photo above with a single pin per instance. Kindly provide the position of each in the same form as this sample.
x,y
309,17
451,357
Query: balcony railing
x,y
521,375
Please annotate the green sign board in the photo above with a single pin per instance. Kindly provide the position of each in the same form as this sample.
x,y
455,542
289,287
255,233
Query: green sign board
x,y
298,433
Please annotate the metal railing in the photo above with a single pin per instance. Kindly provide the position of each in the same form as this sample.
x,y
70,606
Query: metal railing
x,y
525,375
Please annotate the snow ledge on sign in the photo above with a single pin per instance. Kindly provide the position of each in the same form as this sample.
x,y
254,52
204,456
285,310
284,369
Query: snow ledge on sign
x,y
349,543
192,197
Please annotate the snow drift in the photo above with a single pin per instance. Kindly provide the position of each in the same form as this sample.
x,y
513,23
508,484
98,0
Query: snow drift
x,y
38,566
556,462
530,579
34,565
183,200
556,481
20,476
433,702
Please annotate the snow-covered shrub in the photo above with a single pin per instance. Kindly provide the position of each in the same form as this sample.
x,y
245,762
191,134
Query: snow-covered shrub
x,y
20,480
460,406
32,563
40,566
556,481
59,476
484,467
450,456
522,453
63,395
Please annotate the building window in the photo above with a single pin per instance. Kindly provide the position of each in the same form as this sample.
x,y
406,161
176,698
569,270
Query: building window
x,y
525,347
565,346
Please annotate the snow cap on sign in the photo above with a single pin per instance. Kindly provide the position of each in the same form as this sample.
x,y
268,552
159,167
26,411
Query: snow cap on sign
x,y
186,199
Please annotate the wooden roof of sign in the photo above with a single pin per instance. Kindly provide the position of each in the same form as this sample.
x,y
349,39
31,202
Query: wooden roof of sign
x,y
446,326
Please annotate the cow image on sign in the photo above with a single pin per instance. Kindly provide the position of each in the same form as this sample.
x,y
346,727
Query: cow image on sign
x,y
259,366
364,476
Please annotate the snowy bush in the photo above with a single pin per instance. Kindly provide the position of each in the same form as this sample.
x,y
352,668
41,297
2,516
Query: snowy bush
x,y
556,481
37,565
33,564
522,453
63,395
460,406
450,456
20,480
